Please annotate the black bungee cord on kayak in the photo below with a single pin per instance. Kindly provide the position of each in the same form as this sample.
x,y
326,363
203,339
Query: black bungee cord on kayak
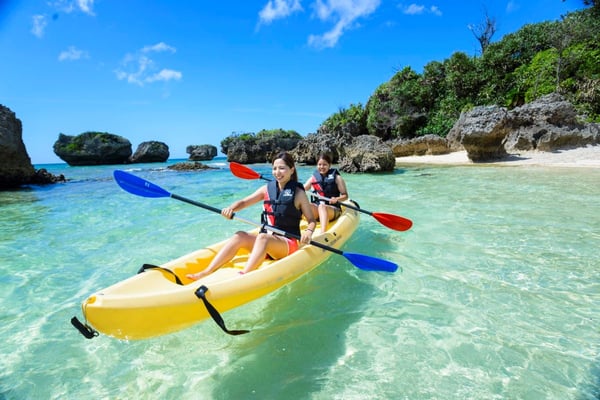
x,y
150,266
89,333
201,294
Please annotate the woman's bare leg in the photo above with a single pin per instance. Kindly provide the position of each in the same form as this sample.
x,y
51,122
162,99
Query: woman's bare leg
x,y
239,240
323,216
266,243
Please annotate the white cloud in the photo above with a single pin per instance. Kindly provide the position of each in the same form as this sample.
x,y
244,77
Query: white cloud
x,y
68,6
39,25
344,13
417,9
71,54
165,75
277,9
139,69
158,47
414,9
86,6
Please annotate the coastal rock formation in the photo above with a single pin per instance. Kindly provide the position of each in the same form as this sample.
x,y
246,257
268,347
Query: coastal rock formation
x,y
258,149
547,124
93,148
309,148
420,146
150,152
481,131
204,152
15,165
367,154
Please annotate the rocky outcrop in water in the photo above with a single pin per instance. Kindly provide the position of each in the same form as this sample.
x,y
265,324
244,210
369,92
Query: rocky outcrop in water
x,y
150,152
203,152
190,166
15,165
93,148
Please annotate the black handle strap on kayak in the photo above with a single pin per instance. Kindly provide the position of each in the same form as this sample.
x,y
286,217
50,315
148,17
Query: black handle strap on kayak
x,y
87,331
200,292
150,266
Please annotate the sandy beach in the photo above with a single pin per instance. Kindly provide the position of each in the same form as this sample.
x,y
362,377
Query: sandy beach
x,y
588,157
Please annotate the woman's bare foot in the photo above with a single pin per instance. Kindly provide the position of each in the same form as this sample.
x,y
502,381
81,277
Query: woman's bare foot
x,y
197,275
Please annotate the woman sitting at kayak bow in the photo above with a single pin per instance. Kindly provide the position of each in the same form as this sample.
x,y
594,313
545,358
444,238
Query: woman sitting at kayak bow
x,y
284,203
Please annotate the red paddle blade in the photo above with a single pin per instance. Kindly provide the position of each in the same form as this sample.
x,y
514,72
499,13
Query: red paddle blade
x,y
393,221
241,171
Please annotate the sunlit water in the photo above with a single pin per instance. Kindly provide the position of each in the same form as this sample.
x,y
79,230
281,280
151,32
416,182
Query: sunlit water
x,y
498,297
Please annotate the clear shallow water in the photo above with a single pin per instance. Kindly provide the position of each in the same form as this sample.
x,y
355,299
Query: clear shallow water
x,y
498,296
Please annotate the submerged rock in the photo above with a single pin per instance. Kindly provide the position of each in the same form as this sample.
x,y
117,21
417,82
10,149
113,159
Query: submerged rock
x,y
189,166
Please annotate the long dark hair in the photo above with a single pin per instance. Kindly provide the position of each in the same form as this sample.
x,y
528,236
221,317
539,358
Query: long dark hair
x,y
326,157
289,161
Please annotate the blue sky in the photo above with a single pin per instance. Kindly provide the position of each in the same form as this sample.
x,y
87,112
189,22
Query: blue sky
x,y
193,72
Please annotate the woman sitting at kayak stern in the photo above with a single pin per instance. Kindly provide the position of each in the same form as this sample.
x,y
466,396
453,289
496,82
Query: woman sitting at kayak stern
x,y
326,182
284,204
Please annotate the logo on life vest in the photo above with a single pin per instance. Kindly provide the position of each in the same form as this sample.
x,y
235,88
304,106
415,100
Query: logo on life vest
x,y
287,193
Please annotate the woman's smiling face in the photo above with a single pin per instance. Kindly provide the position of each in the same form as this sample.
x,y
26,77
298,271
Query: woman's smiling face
x,y
322,166
281,171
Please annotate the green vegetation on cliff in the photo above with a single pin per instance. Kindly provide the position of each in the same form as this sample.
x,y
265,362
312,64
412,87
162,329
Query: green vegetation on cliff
x,y
561,56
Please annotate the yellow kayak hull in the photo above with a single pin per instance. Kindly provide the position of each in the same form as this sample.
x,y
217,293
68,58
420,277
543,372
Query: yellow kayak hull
x,y
152,304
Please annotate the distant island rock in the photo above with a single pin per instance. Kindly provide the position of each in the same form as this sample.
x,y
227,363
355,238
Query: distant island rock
x,y
203,152
150,152
93,148
15,165
248,148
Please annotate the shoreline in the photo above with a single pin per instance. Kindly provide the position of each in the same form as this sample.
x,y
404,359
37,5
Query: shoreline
x,y
582,157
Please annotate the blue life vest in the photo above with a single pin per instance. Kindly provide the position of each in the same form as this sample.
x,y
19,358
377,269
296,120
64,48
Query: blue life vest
x,y
279,209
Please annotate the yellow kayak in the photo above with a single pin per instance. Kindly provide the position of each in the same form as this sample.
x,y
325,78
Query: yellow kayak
x,y
152,303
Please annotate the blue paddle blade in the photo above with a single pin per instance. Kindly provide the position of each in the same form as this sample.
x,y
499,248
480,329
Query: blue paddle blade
x,y
138,186
370,263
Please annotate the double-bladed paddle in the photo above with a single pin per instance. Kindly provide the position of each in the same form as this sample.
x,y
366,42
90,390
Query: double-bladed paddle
x,y
392,221
141,187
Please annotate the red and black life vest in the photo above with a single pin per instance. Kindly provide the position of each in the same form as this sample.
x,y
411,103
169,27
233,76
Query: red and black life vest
x,y
279,209
325,185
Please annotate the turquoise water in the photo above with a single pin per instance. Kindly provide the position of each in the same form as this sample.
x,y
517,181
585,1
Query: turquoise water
x,y
498,297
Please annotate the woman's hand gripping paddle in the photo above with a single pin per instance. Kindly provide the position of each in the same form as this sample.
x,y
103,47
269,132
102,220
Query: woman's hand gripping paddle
x,y
141,187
